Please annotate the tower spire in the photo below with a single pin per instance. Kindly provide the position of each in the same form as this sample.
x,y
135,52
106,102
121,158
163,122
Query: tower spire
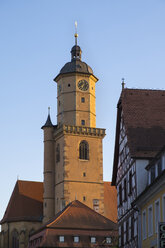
x,y
76,34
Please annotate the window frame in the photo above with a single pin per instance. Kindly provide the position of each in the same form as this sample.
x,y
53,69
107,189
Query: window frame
x,y
83,122
82,99
150,221
93,240
84,150
125,189
62,237
78,239
130,182
108,240
163,207
144,224
157,220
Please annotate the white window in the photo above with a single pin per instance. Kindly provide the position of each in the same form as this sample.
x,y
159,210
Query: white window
x,y
61,238
163,207
156,170
93,239
149,177
163,162
144,226
96,205
157,214
76,239
135,228
108,240
150,221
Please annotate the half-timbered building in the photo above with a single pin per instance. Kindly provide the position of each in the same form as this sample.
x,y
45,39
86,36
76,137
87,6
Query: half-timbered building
x,y
140,134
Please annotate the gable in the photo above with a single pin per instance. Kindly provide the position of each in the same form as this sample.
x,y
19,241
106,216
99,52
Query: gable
x,y
144,120
25,203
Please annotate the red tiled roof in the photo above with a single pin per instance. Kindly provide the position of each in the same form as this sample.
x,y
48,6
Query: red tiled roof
x,y
144,120
110,201
25,202
78,215
27,199
75,220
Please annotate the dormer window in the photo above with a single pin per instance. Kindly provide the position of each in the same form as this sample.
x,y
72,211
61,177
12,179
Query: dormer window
x,y
108,240
61,239
76,239
93,240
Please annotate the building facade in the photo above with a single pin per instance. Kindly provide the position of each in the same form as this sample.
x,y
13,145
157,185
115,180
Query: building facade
x,y
140,135
89,229
151,203
73,161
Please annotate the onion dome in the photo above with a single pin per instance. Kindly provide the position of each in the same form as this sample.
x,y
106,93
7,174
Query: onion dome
x,y
76,64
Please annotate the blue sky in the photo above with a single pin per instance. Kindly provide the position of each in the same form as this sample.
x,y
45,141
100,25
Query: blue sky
x,y
118,39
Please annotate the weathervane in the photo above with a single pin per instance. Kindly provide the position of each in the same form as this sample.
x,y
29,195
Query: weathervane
x,y
48,110
76,34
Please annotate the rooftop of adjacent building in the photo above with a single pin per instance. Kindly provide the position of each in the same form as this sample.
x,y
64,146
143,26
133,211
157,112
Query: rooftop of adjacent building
x,y
78,217
26,202
144,120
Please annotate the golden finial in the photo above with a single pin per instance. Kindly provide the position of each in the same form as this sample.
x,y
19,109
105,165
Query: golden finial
x,y
76,34
123,83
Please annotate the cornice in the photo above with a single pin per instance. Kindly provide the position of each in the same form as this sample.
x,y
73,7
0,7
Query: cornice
x,y
80,130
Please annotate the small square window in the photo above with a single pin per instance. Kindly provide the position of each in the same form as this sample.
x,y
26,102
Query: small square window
x,y
83,122
84,198
61,238
93,239
82,99
108,240
68,85
76,239
84,174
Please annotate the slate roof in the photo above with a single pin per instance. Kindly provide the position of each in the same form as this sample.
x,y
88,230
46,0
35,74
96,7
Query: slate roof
x,y
144,120
26,202
75,65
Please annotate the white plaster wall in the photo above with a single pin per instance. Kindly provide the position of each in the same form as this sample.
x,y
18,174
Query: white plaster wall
x,y
141,175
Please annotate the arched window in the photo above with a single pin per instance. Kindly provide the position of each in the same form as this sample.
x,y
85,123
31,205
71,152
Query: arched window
x,y
58,153
84,150
15,239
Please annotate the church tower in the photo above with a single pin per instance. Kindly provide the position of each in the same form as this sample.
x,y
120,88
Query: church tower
x,y
73,161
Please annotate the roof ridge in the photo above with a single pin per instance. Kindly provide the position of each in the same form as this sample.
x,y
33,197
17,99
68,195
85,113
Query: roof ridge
x,y
143,89
61,214
28,181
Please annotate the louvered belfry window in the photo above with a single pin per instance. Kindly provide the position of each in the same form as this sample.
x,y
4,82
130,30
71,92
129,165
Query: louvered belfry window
x,y
84,150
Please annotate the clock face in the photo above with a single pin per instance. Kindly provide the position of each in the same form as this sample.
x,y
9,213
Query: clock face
x,y
83,85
